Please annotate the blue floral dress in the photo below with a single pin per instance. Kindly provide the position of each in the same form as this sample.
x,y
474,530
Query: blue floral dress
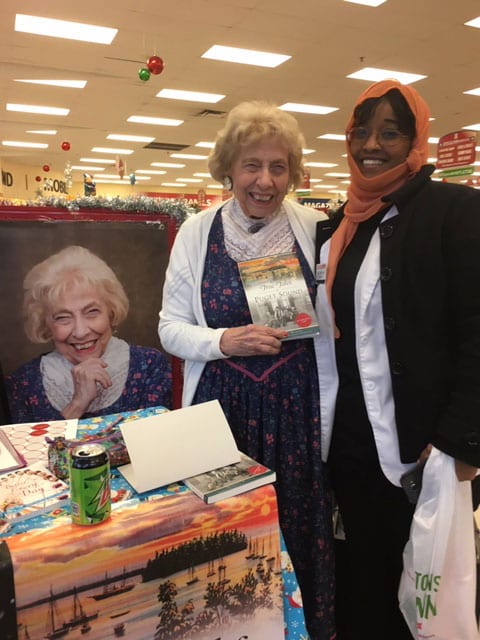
x,y
148,384
272,406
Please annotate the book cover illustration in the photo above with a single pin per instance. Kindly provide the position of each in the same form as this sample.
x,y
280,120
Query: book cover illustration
x,y
24,493
277,294
230,480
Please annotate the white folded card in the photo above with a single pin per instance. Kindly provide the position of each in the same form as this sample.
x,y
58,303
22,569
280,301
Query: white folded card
x,y
177,444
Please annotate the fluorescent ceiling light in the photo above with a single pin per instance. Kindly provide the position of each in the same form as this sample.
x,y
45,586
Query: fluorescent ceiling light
x,y
64,29
368,3
431,160
68,84
173,184
473,127
98,160
165,122
473,92
206,145
321,165
307,151
375,75
124,152
316,180
86,167
153,172
473,23
191,96
332,136
324,186
188,156
32,108
168,165
189,180
214,186
316,109
202,175
433,140
245,56
31,145
43,132
335,174
128,138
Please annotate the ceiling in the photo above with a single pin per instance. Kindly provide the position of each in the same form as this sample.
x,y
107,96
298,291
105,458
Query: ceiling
x,y
326,39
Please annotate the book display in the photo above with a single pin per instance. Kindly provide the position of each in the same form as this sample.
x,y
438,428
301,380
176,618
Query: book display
x,y
230,480
277,294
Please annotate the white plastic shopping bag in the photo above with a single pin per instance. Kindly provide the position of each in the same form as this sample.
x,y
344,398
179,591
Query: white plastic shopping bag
x,y
438,583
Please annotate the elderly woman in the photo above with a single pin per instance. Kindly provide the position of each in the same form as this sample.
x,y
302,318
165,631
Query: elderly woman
x,y
266,386
74,299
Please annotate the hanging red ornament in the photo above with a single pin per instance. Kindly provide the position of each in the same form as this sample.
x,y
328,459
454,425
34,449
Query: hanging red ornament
x,y
38,178
65,145
144,74
155,65
46,167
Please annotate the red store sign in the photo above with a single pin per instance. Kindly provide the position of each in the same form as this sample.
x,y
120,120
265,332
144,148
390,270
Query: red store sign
x,y
456,149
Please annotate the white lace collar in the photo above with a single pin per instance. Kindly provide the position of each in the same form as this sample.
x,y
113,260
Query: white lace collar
x,y
58,382
276,236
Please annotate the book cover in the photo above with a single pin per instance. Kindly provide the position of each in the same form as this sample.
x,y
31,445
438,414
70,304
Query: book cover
x,y
277,294
230,480
10,458
27,492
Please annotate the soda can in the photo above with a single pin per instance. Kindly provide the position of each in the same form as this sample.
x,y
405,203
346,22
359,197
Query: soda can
x,y
89,484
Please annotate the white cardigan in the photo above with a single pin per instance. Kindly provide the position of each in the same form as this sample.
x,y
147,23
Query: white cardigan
x,y
182,328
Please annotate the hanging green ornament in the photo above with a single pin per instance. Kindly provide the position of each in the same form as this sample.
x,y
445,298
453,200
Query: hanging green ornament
x,y
144,74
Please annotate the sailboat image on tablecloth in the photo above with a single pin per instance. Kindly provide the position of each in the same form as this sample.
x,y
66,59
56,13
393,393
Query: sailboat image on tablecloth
x,y
79,615
114,588
55,627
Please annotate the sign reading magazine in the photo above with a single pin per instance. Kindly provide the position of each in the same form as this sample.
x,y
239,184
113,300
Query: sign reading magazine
x,y
277,294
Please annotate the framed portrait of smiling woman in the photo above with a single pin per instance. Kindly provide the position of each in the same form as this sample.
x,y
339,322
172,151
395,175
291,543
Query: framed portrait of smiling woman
x,y
135,246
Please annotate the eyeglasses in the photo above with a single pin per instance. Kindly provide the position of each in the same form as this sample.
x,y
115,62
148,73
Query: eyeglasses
x,y
386,137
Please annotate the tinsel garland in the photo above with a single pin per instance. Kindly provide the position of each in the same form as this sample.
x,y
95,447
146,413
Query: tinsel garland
x,y
176,209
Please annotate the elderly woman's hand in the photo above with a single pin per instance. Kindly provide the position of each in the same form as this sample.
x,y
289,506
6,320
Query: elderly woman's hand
x,y
87,376
252,340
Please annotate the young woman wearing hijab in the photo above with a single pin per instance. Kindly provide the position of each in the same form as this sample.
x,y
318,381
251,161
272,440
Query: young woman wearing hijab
x,y
267,387
399,366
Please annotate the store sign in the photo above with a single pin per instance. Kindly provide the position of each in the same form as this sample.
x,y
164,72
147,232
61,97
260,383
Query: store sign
x,y
456,149
199,199
454,173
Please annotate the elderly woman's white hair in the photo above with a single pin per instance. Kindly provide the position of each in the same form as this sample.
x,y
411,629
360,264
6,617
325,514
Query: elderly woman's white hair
x,y
252,122
49,280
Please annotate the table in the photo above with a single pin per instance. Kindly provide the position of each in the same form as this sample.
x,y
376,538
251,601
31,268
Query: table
x,y
165,566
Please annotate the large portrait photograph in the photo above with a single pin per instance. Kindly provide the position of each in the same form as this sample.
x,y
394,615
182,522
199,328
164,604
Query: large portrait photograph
x,y
134,252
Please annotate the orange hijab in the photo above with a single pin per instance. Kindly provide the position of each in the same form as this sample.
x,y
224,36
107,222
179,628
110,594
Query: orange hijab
x,y
365,194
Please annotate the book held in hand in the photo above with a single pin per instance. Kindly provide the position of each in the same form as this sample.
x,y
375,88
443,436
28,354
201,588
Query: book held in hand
x,y
230,480
277,294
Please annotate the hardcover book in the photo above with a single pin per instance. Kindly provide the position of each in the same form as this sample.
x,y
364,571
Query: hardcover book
x,y
230,480
278,296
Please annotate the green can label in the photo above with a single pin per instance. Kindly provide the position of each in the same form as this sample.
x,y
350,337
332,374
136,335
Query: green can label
x,y
89,484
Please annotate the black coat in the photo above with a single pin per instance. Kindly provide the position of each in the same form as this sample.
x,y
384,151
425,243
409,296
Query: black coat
x,y
430,282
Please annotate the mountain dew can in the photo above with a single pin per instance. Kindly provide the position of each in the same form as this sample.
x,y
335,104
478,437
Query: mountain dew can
x,y
89,484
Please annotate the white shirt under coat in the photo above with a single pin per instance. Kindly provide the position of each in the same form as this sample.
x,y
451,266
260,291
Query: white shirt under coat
x,y
371,355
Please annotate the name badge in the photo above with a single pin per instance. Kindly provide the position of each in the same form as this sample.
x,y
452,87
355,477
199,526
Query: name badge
x,y
320,273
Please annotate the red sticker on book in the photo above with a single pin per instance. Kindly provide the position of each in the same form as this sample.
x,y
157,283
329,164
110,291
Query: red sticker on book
x,y
256,469
303,320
